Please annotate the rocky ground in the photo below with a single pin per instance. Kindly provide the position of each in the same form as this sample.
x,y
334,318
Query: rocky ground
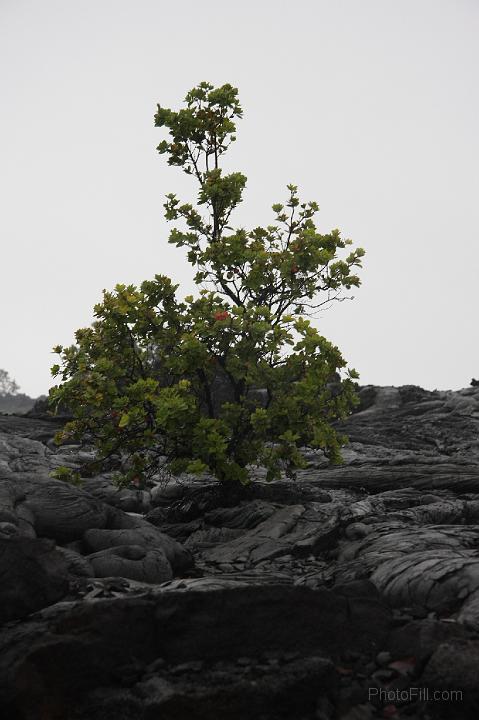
x,y
352,593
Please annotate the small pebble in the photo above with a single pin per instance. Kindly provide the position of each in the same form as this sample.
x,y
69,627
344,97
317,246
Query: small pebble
x,y
243,661
383,675
290,656
156,665
350,655
383,658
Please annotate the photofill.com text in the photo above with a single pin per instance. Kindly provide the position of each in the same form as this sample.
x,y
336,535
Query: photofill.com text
x,y
421,694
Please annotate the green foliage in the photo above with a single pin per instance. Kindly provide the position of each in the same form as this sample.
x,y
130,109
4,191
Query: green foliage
x,y
67,474
237,375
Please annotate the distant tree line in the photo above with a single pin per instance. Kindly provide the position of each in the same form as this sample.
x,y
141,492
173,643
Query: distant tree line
x,y
11,400
8,386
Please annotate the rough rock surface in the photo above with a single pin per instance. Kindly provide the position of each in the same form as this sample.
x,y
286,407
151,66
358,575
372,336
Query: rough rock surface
x,y
131,561
33,575
323,598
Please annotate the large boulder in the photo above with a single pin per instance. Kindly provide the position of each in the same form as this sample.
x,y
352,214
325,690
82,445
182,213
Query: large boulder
x,y
34,575
110,643
21,455
133,562
293,530
103,488
143,535
63,511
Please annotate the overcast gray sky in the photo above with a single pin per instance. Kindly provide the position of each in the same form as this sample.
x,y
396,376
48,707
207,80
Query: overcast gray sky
x,y
369,106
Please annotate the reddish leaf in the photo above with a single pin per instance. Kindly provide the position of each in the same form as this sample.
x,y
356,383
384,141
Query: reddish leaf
x,y
405,666
342,670
390,711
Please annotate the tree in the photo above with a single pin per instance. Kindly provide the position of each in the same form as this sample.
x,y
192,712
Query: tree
x,y
234,376
8,386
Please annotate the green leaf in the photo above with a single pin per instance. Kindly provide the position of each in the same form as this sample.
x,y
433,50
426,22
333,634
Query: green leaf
x,y
124,420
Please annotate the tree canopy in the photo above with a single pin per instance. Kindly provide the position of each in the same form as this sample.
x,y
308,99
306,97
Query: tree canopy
x,y
237,375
